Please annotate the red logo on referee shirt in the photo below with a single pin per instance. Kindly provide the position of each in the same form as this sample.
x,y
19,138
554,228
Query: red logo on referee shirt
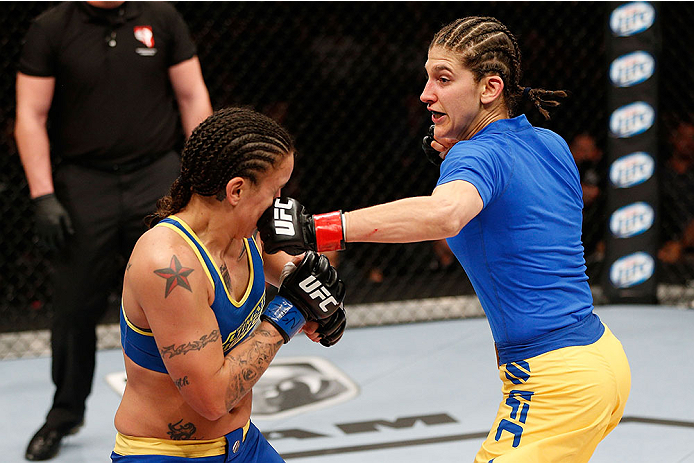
x,y
145,35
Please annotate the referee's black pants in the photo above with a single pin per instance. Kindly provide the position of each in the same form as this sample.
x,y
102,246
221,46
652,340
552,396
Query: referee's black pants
x,y
107,211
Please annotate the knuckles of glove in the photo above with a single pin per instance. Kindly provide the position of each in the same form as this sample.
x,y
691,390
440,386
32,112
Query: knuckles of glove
x,y
314,288
332,329
287,226
432,155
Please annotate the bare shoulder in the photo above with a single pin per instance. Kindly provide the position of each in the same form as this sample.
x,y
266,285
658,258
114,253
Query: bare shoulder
x,y
162,263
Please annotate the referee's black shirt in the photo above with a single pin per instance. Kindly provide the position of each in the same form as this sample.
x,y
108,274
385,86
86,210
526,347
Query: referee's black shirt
x,y
113,102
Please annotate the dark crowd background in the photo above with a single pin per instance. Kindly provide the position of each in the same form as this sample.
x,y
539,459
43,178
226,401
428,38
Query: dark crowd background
x,y
345,79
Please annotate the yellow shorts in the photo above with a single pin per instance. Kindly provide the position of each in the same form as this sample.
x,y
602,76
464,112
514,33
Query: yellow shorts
x,y
137,447
558,406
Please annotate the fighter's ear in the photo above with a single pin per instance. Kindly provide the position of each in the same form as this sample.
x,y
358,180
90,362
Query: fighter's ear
x,y
235,189
492,88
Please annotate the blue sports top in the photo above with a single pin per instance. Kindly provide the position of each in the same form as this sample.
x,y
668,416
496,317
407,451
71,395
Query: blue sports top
x,y
235,319
523,252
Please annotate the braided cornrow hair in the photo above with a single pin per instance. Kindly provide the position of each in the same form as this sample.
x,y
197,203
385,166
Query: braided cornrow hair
x,y
232,142
487,47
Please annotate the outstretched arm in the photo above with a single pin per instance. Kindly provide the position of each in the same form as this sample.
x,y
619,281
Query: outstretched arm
x,y
287,226
424,218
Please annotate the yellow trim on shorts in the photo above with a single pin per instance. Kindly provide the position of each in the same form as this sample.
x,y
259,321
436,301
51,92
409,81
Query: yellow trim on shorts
x,y
130,445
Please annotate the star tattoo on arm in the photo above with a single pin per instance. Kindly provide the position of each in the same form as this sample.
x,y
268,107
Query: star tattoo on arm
x,y
175,275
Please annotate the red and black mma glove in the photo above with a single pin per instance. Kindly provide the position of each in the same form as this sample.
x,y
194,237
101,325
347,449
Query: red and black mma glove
x,y
432,155
287,226
311,292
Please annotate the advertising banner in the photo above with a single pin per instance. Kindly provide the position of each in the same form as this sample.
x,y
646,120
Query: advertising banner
x,y
632,193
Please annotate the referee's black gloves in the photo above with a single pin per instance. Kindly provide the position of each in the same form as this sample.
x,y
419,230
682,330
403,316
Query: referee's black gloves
x,y
53,224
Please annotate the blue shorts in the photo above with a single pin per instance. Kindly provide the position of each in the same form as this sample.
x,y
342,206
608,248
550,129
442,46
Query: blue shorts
x,y
253,448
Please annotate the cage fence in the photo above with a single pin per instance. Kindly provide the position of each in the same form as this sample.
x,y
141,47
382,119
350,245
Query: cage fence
x,y
345,80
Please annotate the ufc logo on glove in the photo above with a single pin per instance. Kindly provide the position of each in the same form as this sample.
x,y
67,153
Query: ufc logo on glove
x,y
315,289
283,221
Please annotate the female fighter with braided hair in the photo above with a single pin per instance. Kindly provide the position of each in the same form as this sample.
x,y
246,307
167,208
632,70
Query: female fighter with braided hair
x,y
508,201
195,332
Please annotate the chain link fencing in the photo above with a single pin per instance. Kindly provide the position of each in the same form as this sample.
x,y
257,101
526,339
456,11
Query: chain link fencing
x,y
345,79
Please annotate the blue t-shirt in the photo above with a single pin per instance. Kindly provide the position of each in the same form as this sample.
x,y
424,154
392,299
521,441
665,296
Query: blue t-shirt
x,y
523,251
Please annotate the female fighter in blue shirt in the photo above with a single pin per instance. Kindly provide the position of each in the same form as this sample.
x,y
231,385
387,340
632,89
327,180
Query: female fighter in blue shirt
x,y
509,202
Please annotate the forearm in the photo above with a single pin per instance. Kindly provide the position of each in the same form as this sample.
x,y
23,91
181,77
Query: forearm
x,y
246,363
194,110
191,93
34,151
407,220
214,395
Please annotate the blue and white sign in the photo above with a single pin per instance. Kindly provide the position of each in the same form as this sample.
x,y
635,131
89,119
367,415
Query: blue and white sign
x,y
632,169
632,119
632,18
633,49
632,270
632,69
631,220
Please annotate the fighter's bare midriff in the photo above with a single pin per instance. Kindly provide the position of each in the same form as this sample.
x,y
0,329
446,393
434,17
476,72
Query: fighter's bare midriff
x,y
153,407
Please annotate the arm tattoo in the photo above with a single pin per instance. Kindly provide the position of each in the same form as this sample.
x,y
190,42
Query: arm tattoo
x,y
252,357
178,431
174,350
180,382
175,275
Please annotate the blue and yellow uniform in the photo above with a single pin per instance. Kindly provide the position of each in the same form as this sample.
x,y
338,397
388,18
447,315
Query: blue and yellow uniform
x,y
565,377
236,320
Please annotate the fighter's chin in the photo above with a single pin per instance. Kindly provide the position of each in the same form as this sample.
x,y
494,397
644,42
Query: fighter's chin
x,y
441,132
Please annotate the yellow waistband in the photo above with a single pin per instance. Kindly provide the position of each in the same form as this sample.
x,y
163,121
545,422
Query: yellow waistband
x,y
130,445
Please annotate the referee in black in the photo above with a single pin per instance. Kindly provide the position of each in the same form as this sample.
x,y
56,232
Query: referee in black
x,y
100,89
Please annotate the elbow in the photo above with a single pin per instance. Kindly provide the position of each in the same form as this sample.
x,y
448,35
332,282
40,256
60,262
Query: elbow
x,y
214,415
212,411
448,220
450,227
193,97
207,404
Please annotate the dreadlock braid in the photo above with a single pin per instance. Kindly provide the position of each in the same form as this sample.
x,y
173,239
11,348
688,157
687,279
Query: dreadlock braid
x,y
487,47
232,142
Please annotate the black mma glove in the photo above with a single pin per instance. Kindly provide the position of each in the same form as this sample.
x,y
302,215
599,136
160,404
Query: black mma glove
x,y
311,292
331,329
53,224
432,155
287,226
